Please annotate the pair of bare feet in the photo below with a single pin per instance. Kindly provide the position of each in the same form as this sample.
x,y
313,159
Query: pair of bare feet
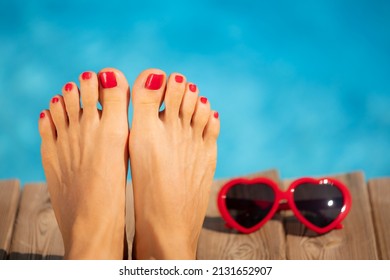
x,y
85,154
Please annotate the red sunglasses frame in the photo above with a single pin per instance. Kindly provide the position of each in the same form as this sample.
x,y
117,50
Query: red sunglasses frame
x,y
284,200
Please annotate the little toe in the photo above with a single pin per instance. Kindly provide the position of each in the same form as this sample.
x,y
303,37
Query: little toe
x,y
201,116
58,113
47,131
114,95
89,92
211,131
174,95
188,105
71,96
148,93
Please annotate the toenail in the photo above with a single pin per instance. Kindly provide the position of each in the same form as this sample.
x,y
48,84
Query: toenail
x,y
68,87
192,87
107,79
154,81
42,115
216,115
86,75
203,100
179,78
55,100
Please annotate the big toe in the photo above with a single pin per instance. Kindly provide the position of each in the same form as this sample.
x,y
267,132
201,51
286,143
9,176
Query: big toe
x,y
114,96
148,93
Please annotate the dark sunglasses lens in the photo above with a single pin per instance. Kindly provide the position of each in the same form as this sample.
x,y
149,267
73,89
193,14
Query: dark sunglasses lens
x,y
249,204
320,204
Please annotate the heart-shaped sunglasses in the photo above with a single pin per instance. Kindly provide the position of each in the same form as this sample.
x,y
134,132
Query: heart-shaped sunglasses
x,y
320,204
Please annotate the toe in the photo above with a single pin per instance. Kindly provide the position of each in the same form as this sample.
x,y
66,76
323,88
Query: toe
x,y
174,95
89,91
188,105
58,114
201,116
148,93
47,131
71,96
212,128
114,95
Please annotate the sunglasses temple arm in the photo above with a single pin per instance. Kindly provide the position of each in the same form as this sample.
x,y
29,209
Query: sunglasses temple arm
x,y
339,226
283,206
228,226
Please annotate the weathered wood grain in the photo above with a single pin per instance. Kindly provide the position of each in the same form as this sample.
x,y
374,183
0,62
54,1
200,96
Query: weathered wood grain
x,y
379,190
218,242
36,234
355,241
9,201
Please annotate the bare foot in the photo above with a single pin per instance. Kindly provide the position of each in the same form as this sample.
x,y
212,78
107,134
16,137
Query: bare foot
x,y
173,159
85,159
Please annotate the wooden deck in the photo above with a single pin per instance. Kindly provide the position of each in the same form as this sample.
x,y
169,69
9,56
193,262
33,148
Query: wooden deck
x,y
28,229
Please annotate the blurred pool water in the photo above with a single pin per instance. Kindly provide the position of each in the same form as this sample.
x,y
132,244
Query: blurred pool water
x,y
300,86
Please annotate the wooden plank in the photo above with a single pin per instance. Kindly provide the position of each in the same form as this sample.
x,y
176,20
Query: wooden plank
x,y
9,201
355,241
379,190
130,220
36,234
218,242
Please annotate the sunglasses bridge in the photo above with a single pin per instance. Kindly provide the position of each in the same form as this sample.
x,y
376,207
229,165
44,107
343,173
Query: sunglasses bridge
x,y
282,200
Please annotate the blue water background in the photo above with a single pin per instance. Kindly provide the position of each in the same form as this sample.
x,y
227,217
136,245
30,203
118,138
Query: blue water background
x,y
301,86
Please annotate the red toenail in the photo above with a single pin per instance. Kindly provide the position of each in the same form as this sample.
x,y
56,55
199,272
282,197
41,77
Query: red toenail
x,y
86,75
179,78
42,115
55,100
107,79
192,87
68,87
154,81
203,100
216,115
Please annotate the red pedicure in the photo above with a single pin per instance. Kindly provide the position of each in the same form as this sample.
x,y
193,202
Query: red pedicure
x,y
86,75
154,81
107,79
179,78
192,87
216,115
55,100
42,115
203,100
68,87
